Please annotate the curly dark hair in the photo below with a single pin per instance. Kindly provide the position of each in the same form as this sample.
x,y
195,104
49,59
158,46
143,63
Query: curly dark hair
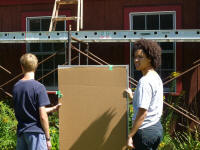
x,y
151,49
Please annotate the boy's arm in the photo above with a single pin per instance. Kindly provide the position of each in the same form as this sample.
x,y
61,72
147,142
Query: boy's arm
x,y
45,124
53,108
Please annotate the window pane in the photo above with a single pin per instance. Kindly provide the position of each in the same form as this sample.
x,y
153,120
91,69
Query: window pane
x,y
168,61
45,24
34,47
165,75
48,80
47,47
167,45
49,64
139,22
59,60
38,74
166,21
34,25
152,22
59,47
40,58
60,26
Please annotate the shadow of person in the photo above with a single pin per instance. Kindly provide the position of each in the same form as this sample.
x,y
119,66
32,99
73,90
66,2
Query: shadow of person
x,y
93,138
117,138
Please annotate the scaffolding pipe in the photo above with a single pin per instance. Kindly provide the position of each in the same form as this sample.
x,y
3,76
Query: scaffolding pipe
x,y
181,74
7,93
6,70
69,46
197,122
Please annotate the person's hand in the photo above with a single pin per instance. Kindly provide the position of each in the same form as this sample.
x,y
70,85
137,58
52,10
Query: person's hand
x,y
130,143
49,145
57,106
129,92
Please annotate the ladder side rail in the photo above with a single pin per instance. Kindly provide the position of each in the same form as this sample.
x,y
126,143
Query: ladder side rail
x,y
56,16
78,15
53,15
81,20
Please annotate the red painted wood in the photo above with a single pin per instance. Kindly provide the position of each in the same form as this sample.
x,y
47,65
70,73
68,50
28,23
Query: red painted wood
x,y
24,2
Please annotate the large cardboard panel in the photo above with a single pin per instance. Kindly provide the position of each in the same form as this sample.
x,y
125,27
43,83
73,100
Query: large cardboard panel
x,y
93,113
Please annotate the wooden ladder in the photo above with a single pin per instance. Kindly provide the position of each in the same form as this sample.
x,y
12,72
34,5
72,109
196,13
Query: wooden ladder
x,y
78,18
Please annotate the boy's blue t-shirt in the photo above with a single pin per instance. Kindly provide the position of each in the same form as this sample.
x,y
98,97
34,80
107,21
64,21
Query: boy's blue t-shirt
x,y
28,96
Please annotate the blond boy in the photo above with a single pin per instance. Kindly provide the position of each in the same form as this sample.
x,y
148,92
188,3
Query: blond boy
x,y
30,98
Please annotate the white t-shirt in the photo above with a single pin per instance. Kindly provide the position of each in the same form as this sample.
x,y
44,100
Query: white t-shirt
x,y
149,95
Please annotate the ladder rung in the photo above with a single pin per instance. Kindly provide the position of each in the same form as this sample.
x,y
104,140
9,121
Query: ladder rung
x,y
63,2
64,18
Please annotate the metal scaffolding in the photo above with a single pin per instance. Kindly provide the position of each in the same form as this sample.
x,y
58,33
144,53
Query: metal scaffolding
x,y
103,36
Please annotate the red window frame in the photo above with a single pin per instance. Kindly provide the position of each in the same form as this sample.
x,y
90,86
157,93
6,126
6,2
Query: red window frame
x,y
178,10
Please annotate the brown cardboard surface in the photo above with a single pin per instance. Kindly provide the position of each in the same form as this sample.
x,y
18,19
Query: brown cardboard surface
x,y
93,113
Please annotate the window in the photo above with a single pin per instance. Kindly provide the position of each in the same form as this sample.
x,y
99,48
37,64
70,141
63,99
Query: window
x,y
157,21
43,50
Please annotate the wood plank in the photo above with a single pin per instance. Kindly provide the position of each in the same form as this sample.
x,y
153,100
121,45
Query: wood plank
x,y
65,18
64,2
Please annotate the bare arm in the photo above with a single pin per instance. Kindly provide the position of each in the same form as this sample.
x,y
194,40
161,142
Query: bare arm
x,y
45,124
138,121
52,109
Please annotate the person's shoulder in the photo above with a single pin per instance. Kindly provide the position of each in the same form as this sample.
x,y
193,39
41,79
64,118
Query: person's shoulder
x,y
144,80
17,84
150,78
37,84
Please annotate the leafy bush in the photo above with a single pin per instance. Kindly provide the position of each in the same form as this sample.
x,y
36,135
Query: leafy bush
x,y
54,130
8,127
185,141
180,140
130,114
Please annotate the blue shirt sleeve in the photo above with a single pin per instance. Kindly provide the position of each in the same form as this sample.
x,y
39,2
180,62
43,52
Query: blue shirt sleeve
x,y
42,96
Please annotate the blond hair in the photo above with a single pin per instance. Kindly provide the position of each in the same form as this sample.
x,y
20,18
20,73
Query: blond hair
x,y
29,62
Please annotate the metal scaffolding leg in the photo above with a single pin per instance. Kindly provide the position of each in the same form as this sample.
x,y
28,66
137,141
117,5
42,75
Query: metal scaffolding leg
x,y
69,46
79,54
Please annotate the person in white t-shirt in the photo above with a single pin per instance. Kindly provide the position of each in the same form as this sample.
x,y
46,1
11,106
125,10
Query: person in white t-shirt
x,y
147,131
